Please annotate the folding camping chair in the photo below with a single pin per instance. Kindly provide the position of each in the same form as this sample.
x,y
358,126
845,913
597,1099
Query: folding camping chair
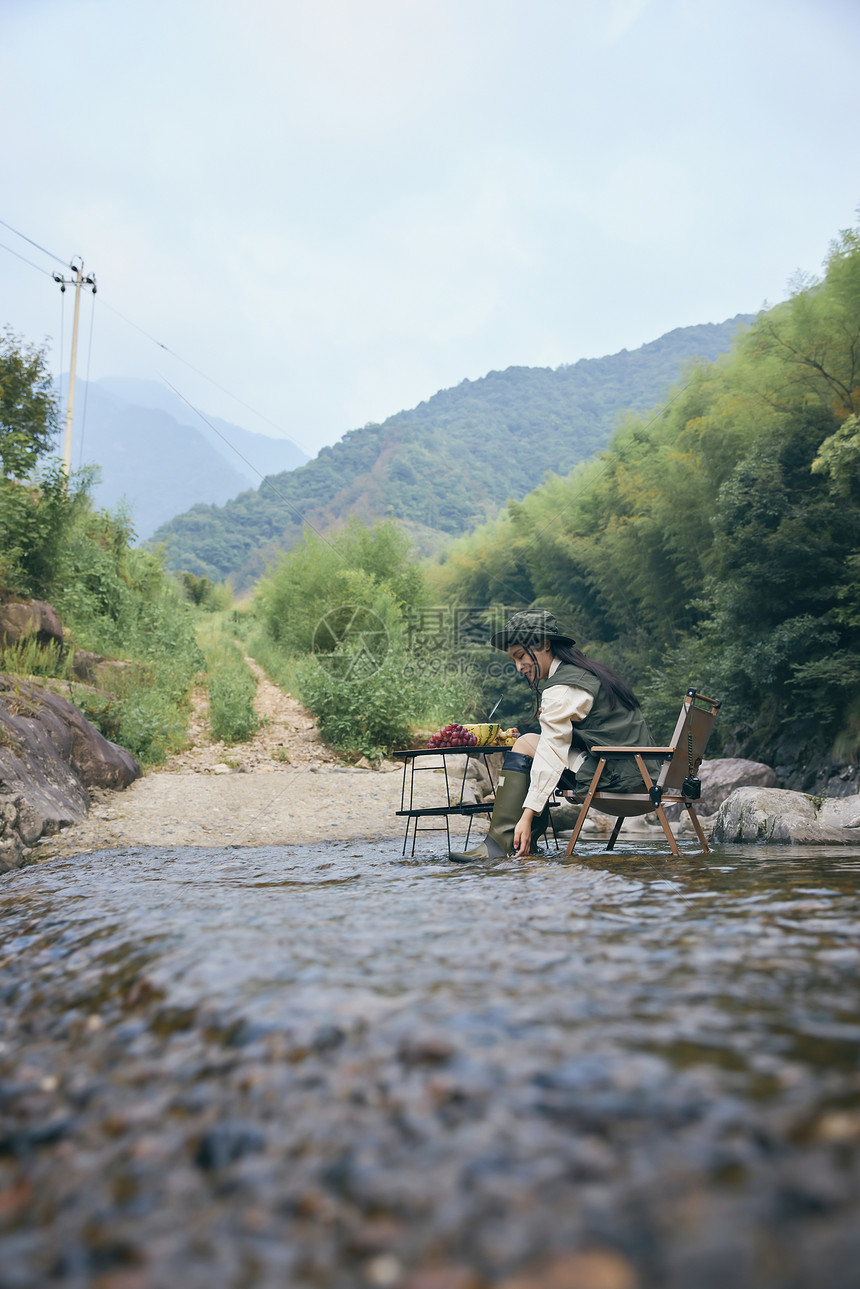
x,y
676,783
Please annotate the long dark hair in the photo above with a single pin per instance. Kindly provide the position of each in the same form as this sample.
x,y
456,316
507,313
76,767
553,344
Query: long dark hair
x,y
617,690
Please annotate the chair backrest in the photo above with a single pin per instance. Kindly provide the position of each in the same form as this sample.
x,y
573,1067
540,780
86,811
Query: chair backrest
x,y
689,739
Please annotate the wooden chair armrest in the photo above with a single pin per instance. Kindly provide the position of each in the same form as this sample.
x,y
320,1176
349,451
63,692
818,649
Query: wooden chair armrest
x,y
643,751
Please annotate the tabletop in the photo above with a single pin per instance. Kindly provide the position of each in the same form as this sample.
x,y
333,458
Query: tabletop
x,y
470,748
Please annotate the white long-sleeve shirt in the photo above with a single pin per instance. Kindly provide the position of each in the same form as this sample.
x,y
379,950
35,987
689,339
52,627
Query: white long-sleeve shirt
x,y
560,706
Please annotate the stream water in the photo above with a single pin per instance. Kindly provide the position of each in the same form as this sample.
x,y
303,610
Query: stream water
x,y
335,1066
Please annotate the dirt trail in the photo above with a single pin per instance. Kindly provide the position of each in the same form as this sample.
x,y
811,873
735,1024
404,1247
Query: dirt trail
x,y
282,787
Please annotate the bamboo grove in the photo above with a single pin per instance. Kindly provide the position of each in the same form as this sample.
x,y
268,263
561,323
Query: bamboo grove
x,y
718,540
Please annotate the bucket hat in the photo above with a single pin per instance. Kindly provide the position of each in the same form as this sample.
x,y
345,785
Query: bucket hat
x,y
530,627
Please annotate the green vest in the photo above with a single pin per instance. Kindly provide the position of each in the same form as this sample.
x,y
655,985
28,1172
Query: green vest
x,y
613,727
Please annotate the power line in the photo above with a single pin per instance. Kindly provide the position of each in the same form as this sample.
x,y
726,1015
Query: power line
x,y
211,381
90,281
173,354
32,243
129,323
37,267
264,478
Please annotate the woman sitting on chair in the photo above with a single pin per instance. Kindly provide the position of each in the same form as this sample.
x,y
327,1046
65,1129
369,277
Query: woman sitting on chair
x,y
582,704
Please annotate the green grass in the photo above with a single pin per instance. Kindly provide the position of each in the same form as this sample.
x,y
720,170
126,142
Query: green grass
x,y
281,669
232,687
29,658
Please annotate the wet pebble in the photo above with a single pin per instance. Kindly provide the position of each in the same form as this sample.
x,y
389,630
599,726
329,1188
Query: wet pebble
x,y
591,1269
227,1142
445,1277
425,1049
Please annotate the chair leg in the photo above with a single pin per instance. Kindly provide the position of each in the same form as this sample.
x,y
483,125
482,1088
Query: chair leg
x,y
698,827
615,831
583,811
661,813
670,836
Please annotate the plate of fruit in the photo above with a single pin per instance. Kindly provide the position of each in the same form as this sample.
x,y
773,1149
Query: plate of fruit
x,y
453,735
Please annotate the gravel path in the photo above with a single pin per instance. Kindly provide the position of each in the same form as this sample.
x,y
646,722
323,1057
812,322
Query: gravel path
x,y
282,787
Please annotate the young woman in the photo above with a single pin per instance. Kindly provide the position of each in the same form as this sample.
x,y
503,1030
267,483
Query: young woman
x,y
582,705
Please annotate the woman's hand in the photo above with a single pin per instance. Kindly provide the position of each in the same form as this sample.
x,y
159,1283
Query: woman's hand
x,y
523,834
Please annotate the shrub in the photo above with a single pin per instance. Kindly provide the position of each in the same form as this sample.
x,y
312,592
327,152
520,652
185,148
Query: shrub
x,y
215,597
367,710
144,719
37,519
356,566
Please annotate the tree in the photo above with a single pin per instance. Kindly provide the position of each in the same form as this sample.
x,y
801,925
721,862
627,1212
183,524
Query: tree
x,y
839,458
29,407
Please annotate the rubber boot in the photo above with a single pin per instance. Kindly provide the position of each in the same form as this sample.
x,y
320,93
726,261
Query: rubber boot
x,y
511,792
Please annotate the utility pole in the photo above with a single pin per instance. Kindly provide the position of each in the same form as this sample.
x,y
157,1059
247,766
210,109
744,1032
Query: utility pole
x,y
77,266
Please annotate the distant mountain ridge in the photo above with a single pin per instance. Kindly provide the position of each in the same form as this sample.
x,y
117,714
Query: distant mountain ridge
x,y
447,464
155,455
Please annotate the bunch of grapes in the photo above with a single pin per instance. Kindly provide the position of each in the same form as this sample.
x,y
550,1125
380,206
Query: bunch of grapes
x,y
453,735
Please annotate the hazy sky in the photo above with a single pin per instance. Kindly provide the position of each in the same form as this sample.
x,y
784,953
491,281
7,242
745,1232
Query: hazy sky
x,y
336,207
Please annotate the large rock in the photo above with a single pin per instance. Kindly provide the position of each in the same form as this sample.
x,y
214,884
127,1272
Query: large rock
x,y
775,815
720,778
104,673
49,756
22,620
97,762
841,812
84,665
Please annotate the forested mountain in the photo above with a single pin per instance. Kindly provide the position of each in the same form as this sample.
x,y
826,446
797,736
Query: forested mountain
x,y
157,457
448,464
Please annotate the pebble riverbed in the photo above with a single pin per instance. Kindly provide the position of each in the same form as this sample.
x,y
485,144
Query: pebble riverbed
x,y
329,1065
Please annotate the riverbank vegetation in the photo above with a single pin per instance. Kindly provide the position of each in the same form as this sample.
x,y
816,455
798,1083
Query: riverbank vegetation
x,y
718,541
162,634
114,600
